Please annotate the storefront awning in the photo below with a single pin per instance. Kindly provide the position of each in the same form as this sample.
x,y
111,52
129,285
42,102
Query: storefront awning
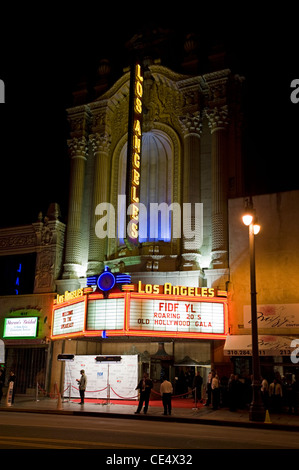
x,y
269,345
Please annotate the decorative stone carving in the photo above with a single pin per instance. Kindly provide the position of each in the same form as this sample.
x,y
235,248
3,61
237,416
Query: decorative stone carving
x,y
44,273
79,121
191,124
78,147
46,236
98,120
217,118
190,261
100,142
50,246
217,87
17,241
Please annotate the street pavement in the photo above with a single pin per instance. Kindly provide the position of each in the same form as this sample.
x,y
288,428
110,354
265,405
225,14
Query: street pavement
x,y
180,412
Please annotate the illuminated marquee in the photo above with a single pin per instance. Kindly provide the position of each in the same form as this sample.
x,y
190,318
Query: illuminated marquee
x,y
106,314
69,317
149,310
177,317
134,154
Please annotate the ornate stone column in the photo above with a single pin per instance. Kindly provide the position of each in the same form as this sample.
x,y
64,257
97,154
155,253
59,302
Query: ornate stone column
x,y
50,244
218,123
73,260
192,127
98,246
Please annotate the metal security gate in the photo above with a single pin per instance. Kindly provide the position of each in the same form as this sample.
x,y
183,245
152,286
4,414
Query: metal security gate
x,y
29,366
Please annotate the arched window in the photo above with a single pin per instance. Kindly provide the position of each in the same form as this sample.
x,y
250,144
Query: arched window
x,y
155,187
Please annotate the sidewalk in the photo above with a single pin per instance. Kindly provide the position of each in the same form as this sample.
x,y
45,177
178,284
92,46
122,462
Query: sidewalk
x,y
184,412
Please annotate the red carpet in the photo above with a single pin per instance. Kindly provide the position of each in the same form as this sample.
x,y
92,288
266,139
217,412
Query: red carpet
x,y
176,402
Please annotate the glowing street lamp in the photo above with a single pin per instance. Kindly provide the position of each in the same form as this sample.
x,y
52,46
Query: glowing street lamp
x,y
256,410
247,218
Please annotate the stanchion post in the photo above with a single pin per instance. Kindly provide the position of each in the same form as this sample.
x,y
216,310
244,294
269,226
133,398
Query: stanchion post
x,y
70,381
108,387
9,394
59,400
36,392
195,397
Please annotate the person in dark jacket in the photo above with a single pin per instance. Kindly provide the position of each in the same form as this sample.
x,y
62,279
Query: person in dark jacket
x,y
1,384
232,393
82,385
12,378
145,385
197,384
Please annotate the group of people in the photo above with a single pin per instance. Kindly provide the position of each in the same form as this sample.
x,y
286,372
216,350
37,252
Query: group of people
x,y
236,393
166,390
145,386
233,393
280,393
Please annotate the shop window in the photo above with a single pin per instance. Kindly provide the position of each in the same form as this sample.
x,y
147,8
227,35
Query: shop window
x,y
17,274
29,366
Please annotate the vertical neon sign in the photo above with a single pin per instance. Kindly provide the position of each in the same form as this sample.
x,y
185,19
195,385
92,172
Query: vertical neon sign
x,y
134,152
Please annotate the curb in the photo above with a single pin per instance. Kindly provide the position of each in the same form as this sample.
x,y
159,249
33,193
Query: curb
x,y
207,421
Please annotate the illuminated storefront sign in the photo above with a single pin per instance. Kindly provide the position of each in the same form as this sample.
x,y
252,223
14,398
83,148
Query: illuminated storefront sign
x,y
269,345
273,316
20,327
134,152
169,289
69,318
164,312
69,296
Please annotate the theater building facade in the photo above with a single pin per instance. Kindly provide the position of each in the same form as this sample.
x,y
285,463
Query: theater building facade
x,y
136,281
153,263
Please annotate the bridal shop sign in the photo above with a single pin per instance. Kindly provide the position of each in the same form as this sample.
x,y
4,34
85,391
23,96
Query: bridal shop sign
x,y
274,316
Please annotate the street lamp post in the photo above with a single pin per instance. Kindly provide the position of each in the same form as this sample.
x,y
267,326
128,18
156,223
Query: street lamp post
x,y
256,410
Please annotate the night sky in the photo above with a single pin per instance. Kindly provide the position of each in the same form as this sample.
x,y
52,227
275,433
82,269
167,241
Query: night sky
x,y
45,51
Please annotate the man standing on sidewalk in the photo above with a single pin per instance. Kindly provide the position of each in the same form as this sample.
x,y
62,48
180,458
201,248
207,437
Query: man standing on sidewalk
x,y
166,390
145,385
215,391
82,385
